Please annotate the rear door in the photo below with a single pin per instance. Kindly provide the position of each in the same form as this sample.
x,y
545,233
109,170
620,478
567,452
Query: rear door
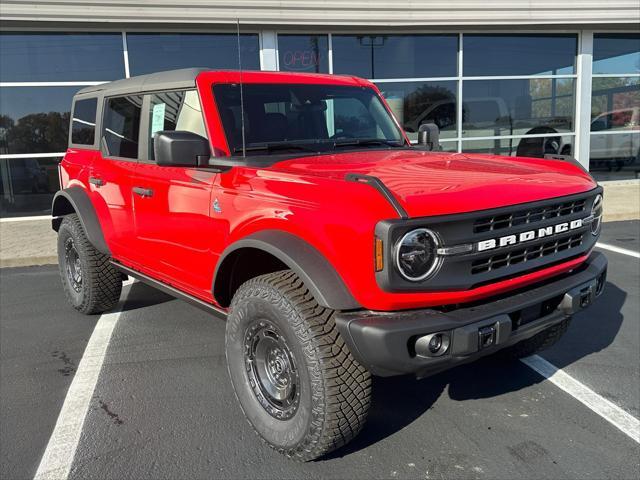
x,y
112,171
172,204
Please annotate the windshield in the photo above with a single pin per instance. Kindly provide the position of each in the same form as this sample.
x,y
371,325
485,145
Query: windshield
x,y
311,118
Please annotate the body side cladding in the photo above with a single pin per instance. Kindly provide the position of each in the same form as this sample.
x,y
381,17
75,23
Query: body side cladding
x,y
324,283
75,200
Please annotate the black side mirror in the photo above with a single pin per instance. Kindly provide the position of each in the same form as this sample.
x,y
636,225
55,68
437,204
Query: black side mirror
x,y
181,149
429,136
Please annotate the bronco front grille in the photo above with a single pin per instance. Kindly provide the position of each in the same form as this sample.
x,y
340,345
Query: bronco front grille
x,y
521,255
526,216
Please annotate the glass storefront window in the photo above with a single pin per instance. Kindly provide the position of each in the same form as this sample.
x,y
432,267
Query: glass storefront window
x,y
536,147
49,57
615,128
504,55
616,53
303,53
416,103
517,107
35,119
395,56
27,185
155,52
519,55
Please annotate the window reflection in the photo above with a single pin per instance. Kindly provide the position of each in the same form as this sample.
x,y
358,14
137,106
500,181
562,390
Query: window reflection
x,y
519,54
417,103
395,56
150,53
517,107
27,185
536,147
35,119
48,57
616,53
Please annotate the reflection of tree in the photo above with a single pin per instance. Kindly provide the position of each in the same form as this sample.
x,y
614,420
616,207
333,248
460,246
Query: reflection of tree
x,y
423,97
6,124
613,93
37,132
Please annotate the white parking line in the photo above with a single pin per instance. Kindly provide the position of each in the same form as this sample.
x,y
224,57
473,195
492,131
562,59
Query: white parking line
x,y
58,456
622,420
621,250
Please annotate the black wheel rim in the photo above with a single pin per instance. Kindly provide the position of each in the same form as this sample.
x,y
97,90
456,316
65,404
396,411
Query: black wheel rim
x,y
271,369
72,265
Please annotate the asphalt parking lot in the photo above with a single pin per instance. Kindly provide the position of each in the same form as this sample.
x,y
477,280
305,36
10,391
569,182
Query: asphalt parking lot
x,y
163,408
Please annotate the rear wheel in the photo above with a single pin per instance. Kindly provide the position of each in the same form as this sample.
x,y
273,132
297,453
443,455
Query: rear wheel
x,y
294,377
90,282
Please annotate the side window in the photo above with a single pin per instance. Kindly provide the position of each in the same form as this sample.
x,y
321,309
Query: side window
x,y
178,110
83,122
122,126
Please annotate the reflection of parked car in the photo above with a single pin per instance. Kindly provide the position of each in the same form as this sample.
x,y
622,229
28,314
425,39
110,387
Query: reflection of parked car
x,y
490,117
609,149
485,116
27,175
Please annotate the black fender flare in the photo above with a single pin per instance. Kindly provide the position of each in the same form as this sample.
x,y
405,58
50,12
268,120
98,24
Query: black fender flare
x,y
317,273
76,200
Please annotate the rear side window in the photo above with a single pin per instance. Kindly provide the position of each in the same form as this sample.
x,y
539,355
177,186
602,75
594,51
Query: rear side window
x,y
122,126
83,122
177,110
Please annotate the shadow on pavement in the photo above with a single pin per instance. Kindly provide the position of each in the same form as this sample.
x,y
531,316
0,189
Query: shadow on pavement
x,y
141,295
398,401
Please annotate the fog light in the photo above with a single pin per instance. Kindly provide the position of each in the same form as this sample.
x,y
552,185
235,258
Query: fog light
x,y
433,345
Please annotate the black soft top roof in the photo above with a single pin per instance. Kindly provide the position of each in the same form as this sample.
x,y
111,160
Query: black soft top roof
x,y
172,79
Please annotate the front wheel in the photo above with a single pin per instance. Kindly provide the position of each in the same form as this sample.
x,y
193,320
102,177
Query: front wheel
x,y
294,377
91,284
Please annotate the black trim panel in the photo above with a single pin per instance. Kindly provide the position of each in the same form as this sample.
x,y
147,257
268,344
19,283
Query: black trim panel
x,y
174,292
81,203
310,265
379,185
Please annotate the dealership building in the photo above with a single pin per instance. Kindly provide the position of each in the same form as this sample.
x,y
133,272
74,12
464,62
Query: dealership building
x,y
504,77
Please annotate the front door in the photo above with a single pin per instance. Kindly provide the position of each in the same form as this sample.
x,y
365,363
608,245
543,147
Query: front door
x,y
172,205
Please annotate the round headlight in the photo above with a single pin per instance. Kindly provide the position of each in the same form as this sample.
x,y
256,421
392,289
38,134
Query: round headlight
x,y
416,254
596,212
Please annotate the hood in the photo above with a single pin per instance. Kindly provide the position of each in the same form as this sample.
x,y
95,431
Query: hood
x,y
437,183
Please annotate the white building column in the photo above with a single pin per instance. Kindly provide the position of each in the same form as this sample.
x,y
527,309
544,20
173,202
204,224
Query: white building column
x,y
583,98
269,50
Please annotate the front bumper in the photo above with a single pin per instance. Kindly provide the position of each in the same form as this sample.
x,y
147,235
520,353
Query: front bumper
x,y
385,342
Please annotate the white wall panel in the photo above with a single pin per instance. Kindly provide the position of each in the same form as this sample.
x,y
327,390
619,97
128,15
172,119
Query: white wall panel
x,y
347,13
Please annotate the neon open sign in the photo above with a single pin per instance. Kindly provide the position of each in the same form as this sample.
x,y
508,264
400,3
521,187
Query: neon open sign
x,y
301,59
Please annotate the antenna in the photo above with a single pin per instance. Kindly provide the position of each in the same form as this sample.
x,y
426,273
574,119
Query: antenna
x,y
244,145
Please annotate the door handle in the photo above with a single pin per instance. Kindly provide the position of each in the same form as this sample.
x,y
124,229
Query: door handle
x,y
98,182
143,192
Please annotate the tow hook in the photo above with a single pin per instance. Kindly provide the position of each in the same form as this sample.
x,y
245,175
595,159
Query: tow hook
x,y
486,336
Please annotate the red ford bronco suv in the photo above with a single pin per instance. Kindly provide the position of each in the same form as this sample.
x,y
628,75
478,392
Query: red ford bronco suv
x,y
295,207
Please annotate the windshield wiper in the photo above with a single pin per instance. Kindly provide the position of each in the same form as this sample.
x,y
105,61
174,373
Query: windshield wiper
x,y
273,146
351,142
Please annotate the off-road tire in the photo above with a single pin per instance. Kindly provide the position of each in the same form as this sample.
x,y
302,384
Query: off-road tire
x,y
101,282
538,342
335,390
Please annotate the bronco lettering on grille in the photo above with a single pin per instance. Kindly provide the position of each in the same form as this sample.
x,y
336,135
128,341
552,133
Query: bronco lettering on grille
x,y
529,235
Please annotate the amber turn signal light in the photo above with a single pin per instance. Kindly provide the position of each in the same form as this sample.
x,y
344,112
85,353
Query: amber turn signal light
x,y
379,255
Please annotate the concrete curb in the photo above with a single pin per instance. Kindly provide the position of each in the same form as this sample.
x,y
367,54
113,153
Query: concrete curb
x,y
28,261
